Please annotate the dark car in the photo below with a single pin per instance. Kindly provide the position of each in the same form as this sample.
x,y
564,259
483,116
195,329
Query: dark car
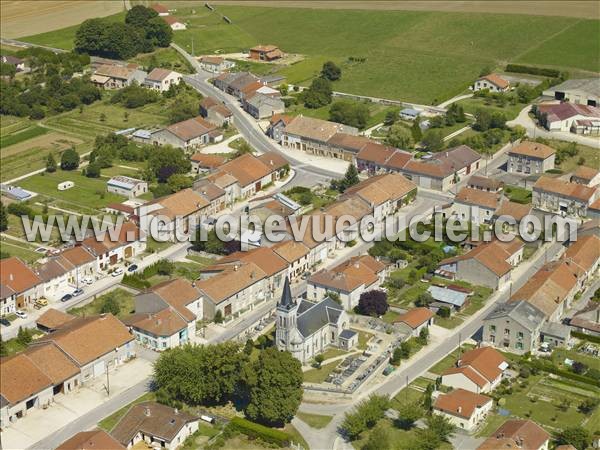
x,y
66,298
5,322
132,268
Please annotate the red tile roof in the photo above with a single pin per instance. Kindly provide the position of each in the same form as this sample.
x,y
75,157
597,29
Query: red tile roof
x,y
415,317
461,403
15,274
497,80
516,434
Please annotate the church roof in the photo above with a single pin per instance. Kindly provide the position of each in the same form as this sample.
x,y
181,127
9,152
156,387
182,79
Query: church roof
x,y
314,316
287,301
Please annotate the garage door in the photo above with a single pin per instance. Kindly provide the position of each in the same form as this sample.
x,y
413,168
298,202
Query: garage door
x,y
425,182
98,368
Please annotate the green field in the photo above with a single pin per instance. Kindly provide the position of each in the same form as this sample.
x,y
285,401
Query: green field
x,y
418,56
22,135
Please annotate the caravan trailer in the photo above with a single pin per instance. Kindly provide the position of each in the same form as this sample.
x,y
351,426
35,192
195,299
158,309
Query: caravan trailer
x,y
65,185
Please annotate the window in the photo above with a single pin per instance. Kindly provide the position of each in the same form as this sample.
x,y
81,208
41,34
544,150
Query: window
x,y
506,332
520,335
493,328
519,346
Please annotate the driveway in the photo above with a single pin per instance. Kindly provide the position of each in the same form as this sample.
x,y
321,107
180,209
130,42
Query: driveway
x,y
534,131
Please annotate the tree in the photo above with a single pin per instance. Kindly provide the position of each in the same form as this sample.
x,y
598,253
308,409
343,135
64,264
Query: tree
x,y
423,300
441,426
331,71
110,305
428,397
3,218
168,161
23,336
69,159
415,130
396,357
349,113
201,374
93,170
366,415
318,94
373,303
433,140
7,70
391,116
579,368
444,312
350,179
275,389
576,436
249,347
408,414
50,163
218,316
3,349
399,136
179,181
423,336
319,360
426,439
139,15
378,439
404,350
588,405
485,71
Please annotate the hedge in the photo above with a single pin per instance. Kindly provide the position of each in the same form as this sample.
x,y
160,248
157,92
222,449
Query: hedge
x,y
549,367
517,68
586,337
255,430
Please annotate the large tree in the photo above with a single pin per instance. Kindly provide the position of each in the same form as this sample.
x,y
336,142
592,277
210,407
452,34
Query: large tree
x,y
318,94
331,71
275,387
373,303
69,160
577,436
433,140
139,15
167,162
198,374
399,136
349,113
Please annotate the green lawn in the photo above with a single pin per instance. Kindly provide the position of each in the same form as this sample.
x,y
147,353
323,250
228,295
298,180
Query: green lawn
x,y
319,375
123,297
386,53
314,420
22,135
87,192
363,340
471,105
13,346
109,422
449,360
591,156
21,250
518,194
167,58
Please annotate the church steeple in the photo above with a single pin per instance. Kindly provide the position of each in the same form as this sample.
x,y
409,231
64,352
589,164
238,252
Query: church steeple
x,y
287,301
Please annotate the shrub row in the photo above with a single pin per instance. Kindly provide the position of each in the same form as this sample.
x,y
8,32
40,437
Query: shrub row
x,y
255,430
517,68
586,337
550,368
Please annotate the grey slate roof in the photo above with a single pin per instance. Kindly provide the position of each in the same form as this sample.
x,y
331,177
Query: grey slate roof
x,y
347,334
522,312
588,85
316,315
556,329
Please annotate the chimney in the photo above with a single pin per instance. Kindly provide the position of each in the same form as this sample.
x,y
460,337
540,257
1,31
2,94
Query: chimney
x,y
459,409
11,277
147,411
176,411
235,267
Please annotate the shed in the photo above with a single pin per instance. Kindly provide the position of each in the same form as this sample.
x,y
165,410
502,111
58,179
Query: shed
x,y
449,296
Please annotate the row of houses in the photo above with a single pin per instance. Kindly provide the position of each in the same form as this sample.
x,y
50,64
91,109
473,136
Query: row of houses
x,y
257,96
21,285
533,313
117,75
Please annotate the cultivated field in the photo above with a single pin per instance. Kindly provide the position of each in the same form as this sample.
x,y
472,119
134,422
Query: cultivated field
x,y
21,18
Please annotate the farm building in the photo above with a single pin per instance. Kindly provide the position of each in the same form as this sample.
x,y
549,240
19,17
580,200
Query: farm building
x,y
161,10
116,77
580,119
583,91
265,53
415,320
15,192
126,186
409,114
261,106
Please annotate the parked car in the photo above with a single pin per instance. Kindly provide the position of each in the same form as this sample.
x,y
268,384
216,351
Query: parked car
x,y
21,314
118,271
77,292
4,322
66,298
132,268
87,280
40,303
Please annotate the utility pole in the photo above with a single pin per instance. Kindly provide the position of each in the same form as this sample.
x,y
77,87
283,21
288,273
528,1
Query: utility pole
x,y
107,381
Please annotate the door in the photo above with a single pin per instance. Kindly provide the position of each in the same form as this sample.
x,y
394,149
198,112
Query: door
x,y
227,310
20,302
113,259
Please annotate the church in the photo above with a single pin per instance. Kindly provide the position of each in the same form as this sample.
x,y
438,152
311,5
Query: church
x,y
306,329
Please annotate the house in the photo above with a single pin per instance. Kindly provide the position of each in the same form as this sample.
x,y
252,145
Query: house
x,y
277,123
211,193
162,79
580,119
582,91
348,280
215,112
188,134
206,162
126,186
376,158
464,409
216,64
120,208
415,320
517,434
175,23
594,209
585,255
261,106
514,326
492,82
479,370
509,209
273,80
586,175
117,77
95,344
409,114
91,440
31,379
265,53
553,334
18,63
20,286
488,264
444,169
562,197
346,145
156,425
296,256
52,319
178,213
234,83
162,10
474,205
312,136
166,314
530,158
58,277
115,245
307,329
485,184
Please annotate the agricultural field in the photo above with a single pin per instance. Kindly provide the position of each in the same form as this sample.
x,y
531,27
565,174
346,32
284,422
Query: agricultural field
x,y
386,53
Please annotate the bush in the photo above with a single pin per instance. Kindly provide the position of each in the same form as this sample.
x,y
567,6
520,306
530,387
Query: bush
x,y
517,68
135,281
255,430
69,160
